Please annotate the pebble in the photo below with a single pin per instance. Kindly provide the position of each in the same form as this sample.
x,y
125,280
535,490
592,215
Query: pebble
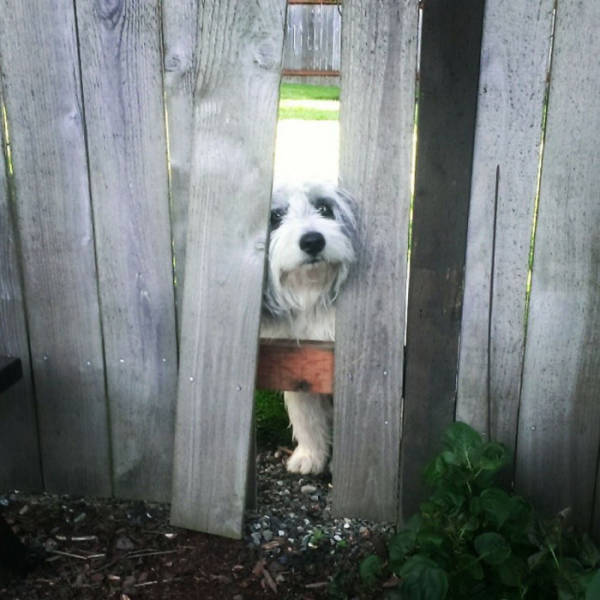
x,y
256,538
124,543
308,489
267,535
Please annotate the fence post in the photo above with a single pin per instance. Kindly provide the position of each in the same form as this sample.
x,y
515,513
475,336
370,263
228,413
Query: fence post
x,y
449,71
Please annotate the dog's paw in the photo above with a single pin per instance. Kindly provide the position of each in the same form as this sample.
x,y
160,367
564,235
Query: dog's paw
x,y
305,461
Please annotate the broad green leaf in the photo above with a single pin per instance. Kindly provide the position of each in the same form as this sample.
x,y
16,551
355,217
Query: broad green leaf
x,y
592,591
400,545
430,538
450,457
493,457
460,437
512,571
590,555
475,505
423,579
496,506
537,559
492,547
435,470
469,564
370,569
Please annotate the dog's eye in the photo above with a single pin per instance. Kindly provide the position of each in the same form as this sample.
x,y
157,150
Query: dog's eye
x,y
277,215
324,208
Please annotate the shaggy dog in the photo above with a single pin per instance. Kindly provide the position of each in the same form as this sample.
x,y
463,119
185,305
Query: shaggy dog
x,y
311,248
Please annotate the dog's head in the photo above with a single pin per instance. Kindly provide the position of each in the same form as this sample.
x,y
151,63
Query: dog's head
x,y
312,245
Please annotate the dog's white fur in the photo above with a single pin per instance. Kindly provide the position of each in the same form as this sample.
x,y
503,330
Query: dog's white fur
x,y
303,281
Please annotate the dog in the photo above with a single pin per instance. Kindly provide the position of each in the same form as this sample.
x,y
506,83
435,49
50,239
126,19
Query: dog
x,y
312,246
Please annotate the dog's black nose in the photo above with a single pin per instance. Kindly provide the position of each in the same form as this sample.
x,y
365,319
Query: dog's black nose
x,y
312,243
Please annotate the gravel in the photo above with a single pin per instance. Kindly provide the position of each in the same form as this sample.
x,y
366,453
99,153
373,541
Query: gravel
x,y
293,517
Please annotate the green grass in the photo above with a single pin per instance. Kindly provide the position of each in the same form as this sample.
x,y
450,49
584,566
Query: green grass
x,y
301,91
309,93
307,113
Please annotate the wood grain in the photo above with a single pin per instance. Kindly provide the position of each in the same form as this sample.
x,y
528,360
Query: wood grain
x,y
376,128
449,74
559,425
122,88
296,367
180,39
312,39
516,41
235,114
20,466
42,91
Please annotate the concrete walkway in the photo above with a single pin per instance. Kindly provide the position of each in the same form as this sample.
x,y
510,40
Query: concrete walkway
x,y
306,150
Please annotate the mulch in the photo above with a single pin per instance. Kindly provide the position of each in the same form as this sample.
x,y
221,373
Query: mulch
x,y
88,548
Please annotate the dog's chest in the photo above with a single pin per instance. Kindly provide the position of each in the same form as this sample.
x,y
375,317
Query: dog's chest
x,y
315,324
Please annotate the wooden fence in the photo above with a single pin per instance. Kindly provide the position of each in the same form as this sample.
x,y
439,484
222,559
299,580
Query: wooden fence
x,y
93,209
312,40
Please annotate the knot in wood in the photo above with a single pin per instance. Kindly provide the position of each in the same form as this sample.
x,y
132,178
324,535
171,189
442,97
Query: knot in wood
x,y
109,11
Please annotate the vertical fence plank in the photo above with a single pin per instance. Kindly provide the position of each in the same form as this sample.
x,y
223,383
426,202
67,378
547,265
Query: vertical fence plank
x,y
377,117
559,425
19,448
121,68
234,132
312,40
515,46
43,99
449,72
180,22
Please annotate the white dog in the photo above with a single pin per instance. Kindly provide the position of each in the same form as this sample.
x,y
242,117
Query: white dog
x,y
311,248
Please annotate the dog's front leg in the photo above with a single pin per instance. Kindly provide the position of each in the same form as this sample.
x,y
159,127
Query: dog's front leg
x,y
311,418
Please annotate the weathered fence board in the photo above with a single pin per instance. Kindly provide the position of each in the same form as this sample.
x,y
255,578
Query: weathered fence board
x,y
234,132
180,33
42,92
559,425
123,98
19,449
449,74
516,42
377,118
312,40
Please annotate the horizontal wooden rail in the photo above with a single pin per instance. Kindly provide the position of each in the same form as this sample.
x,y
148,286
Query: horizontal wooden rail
x,y
315,2
295,366
309,73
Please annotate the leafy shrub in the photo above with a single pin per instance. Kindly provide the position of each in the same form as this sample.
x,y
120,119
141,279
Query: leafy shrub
x,y
473,540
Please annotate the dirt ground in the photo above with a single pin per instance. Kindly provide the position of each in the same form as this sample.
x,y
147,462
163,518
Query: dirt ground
x,y
82,548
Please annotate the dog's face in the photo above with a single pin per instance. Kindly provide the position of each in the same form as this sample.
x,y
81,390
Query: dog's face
x,y
312,245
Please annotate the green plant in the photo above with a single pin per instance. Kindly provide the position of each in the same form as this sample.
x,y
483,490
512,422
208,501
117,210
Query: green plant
x,y
272,423
473,540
